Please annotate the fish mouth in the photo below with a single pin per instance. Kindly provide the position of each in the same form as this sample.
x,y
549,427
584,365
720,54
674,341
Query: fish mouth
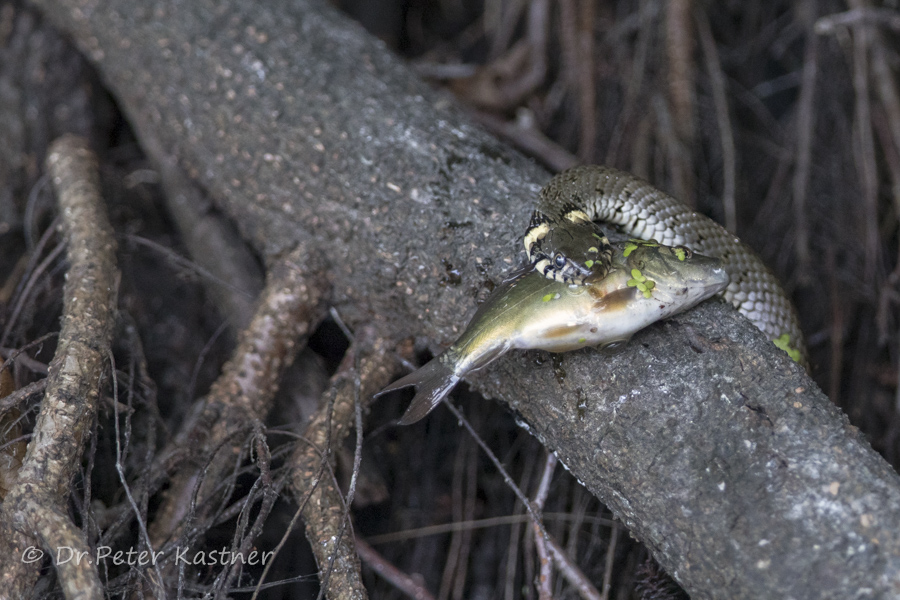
x,y
711,276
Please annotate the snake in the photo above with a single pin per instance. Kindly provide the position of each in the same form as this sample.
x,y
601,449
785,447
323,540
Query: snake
x,y
565,242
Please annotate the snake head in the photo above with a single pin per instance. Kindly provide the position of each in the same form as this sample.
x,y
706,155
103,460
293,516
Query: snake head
x,y
573,252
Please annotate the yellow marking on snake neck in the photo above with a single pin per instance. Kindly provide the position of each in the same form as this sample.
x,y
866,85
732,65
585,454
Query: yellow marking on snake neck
x,y
577,216
535,234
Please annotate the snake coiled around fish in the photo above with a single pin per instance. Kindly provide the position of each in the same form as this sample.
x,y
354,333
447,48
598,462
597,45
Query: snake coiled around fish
x,y
565,243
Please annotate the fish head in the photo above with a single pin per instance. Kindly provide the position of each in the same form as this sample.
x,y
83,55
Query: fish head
x,y
649,282
673,275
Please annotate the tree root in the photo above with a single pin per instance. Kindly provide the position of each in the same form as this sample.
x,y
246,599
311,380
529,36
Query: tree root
x,y
34,511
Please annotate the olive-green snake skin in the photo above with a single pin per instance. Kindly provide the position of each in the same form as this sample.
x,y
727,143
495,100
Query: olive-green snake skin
x,y
564,242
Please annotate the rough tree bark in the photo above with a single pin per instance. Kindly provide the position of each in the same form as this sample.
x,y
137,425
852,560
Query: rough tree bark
x,y
715,450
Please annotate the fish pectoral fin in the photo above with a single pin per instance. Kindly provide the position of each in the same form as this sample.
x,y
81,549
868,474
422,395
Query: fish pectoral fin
x,y
433,382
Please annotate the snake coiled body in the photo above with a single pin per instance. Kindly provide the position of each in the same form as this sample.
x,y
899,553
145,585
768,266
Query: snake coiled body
x,y
576,198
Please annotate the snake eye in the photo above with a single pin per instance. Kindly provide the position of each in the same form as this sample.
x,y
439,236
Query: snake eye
x,y
560,261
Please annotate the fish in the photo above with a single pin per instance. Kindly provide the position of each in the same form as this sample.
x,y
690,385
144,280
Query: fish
x,y
646,282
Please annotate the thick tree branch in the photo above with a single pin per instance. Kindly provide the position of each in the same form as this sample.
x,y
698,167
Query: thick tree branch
x,y
708,443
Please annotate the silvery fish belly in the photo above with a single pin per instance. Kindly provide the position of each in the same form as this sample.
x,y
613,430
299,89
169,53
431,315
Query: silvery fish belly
x,y
646,282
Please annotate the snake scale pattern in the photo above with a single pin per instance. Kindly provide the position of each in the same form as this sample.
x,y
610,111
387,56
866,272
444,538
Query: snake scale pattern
x,y
571,203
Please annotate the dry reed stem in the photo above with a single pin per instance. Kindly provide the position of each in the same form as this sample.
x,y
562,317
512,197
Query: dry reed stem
x,y
859,14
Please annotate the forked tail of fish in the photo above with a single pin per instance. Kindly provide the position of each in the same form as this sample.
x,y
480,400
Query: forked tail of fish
x,y
433,382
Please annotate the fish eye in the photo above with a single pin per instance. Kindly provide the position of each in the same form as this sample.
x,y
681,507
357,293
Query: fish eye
x,y
560,261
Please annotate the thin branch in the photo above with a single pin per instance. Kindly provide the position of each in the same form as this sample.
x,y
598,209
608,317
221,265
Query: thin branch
x,y
400,580
408,534
610,560
545,577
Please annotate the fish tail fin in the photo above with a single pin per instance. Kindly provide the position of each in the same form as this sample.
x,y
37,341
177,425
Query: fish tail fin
x,y
433,382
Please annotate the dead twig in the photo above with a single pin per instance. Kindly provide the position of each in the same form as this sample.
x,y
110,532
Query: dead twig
x,y
408,534
23,393
570,571
34,511
25,294
464,490
405,583
545,578
610,560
